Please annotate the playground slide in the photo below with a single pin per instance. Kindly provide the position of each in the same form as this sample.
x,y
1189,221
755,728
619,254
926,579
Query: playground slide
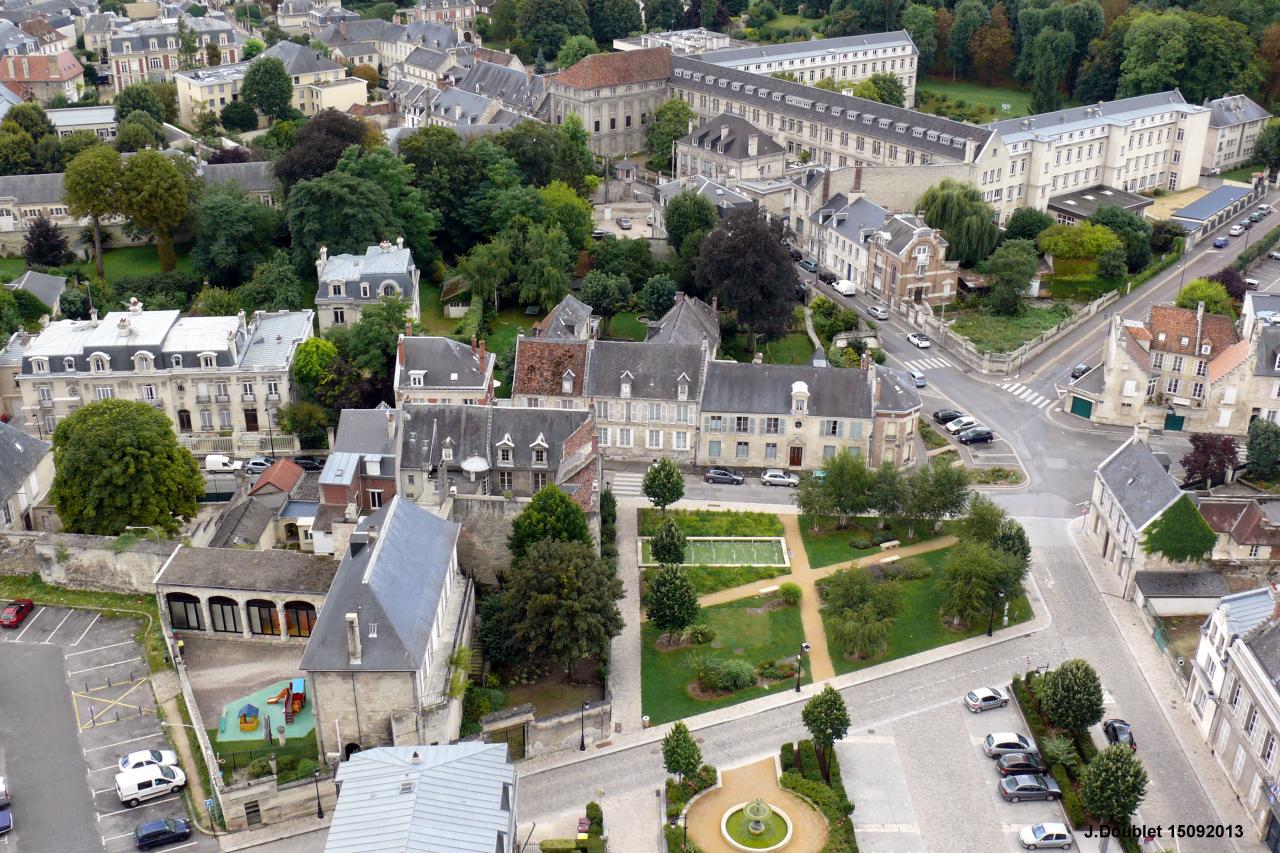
x,y
281,695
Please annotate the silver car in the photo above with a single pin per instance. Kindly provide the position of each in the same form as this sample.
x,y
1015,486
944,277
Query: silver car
x,y
998,743
879,312
777,477
1041,835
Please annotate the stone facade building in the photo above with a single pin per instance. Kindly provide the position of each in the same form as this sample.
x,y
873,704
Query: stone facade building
x,y
1234,124
350,282
442,370
147,51
26,473
907,262
615,95
728,149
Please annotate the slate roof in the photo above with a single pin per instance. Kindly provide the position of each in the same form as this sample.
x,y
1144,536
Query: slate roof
x,y
481,430
616,69
1268,352
1174,323
725,199
1138,482
19,455
690,321
1264,642
1093,382
838,110
511,86
365,431
766,389
447,364
395,581
897,391
1119,111
848,220
276,570
1086,202
1211,204
460,107
655,371
47,288
73,117
390,260
245,522
565,322
137,34
728,135
275,337
1181,584
1245,611
902,229
1235,109
755,54
461,800
540,366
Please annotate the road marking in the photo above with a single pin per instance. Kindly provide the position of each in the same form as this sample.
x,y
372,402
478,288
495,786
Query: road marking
x,y
626,483
115,767
49,639
935,362
96,616
32,621
1026,394
103,790
108,703
910,828
122,742
104,666
100,648
107,838
158,802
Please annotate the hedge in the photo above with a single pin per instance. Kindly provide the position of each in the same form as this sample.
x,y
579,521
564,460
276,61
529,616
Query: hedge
x,y
1070,799
472,323
596,816
1156,267
834,807
808,763
1256,249
680,793
556,845
788,756
676,843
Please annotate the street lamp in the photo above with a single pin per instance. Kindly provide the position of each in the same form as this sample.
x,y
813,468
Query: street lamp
x,y
582,726
995,599
804,649
319,806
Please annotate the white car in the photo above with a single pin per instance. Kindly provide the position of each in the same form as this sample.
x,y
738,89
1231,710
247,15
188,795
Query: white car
x,y
1236,230
1042,835
844,287
879,312
1274,255
919,340
959,425
982,698
147,757
775,477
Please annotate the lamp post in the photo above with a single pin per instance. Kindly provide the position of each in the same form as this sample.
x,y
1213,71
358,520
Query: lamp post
x,y
582,726
804,648
999,596
319,805
684,845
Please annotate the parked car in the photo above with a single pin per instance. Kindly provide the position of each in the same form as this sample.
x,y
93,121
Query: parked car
x,y
216,463
999,743
724,475
1252,284
6,820
946,416
1264,209
827,277
1118,731
1247,224
919,340
624,223
157,833
960,424
1029,787
982,698
147,757
844,287
258,464
598,233
1041,835
1221,242
795,253
148,783
918,378
809,265
1256,216
776,477
16,611
4,792
1236,230
309,463
977,435
879,312
1020,763
1274,255
1079,370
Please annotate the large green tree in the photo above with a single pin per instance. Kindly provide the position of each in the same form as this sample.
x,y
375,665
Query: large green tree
x,y
319,215
744,263
606,294
273,286
970,16
318,145
139,96
417,222
1212,293
1071,695
154,195
551,514
663,485
688,213
1133,230
663,15
545,24
542,273
119,465
670,122
314,358
1114,784
827,719
1010,269
267,88
572,160
371,343
673,603
613,19
572,212
1026,223
668,544
231,234
965,220
917,20
680,752
574,50
973,578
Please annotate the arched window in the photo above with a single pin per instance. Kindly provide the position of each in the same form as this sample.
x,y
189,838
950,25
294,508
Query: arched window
x,y
264,619
299,618
184,612
142,361
224,615
99,364
69,364
39,365
175,360
390,288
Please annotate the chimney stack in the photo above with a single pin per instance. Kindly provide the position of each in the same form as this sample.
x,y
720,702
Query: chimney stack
x,y
400,242
391,427
714,299
482,353
724,137
473,344
353,638
359,539
753,142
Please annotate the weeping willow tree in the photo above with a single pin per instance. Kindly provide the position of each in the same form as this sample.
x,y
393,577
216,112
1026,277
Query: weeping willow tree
x,y
965,220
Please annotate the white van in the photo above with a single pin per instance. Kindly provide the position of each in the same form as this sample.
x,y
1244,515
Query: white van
x,y
148,783
216,463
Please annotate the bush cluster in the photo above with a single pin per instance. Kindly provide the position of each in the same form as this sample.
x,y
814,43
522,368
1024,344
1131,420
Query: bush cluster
x,y
680,793
701,634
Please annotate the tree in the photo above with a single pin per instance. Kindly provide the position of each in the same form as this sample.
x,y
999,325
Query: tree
x,y
1071,696
814,500
1233,281
680,752
663,484
318,216
1211,293
10,319
313,359
1263,449
844,22
827,719
1114,784
981,523
657,296
970,16
542,274
540,62
16,150
918,21
667,544
252,47
487,268
138,131
991,46
889,89
153,193
849,481
888,493
1010,268
1180,534
414,220
573,160
974,577
238,117
318,145
308,421
188,47
551,514
139,96
119,465
670,122
1011,538
560,601
1133,230
934,491
663,15
545,24
1111,263
966,221
673,603
606,294
1026,223
744,263
574,50
1164,233
1082,240
368,74
274,286
1266,148
1045,96
528,143
45,245
612,19
689,213
1210,457
267,88
232,234
31,117
565,208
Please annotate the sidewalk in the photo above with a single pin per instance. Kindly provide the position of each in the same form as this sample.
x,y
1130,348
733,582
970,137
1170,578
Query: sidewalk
x,y
269,835
624,651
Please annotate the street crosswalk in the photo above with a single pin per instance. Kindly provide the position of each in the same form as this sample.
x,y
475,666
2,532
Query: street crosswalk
x,y
928,363
1027,395
626,484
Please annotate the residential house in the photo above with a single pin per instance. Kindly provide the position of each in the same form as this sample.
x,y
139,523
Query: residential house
x,y
360,470
1131,490
220,380
728,149
47,288
99,120
256,179
350,282
550,372
458,14
570,320
43,77
441,370
10,370
1247,529
1234,124
97,33
411,798
454,107
724,199
49,41
907,263
688,321
839,234
292,15
897,407
615,95
518,91
382,653
251,521
323,18
147,51
1233,617
15,42
26,473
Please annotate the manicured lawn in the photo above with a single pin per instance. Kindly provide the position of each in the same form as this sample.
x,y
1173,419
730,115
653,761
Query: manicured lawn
x,y
122,262
975,93
724,552
1244,173
433,319
706,522
627,327
990,333
502,339
743,630
836,546
1083,288
918,627
709,579
791,348
552,694
786,23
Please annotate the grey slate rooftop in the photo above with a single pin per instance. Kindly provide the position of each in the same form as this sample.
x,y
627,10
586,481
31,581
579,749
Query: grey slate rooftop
x,y
19,455
897,390
446,363
1208,206
1245,611
654,371
1264,642
566,321
740,56
276,570
1181,584
47,288
1235,109
729,135
765,389
1059,122
1138,482
690,321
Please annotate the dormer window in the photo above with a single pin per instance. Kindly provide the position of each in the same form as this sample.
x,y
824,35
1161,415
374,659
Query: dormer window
x,y
446,454
175,361
364,289
504,455
142,361
99,364
1206,349
566,382
798,406
1185,341
39,365
208,360
335,288
415,378
625,391
1160,337
69,364
389,288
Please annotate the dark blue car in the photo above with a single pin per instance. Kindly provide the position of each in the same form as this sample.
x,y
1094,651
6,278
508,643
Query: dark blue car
x,y
157,833
6,820
1221,243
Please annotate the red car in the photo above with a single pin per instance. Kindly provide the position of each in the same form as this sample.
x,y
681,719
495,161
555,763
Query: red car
x,y
15,612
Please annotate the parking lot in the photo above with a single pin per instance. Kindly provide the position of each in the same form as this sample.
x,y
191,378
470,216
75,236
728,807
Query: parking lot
x,y
1267,272
86,701
937,753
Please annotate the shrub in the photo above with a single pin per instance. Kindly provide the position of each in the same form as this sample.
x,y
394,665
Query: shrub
x,y
861,543
808,761
306,767
609,550
259,768
1060,750
701,634
492,681
735,675
790,593
557,845
910,569
705,670
608,533
287,765
1070,799
788,756
882,538
608,508
676,842
834,806
596,816
1084,743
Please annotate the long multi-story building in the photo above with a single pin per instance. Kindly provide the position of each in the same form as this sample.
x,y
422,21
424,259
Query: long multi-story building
x,y
220,380
147,51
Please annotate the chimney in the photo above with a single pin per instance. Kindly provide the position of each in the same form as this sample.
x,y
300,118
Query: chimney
x,y
865,362
415,758
482,353
724,137
400,242
714,300
93,316
353,633
679,297
385,246
753,142
400,351
473,344
758,358
1142,432
1199,324
391,424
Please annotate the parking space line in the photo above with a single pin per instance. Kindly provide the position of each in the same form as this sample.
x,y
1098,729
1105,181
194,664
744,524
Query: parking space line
x,y
96,616
18,638
49,639
99,648
159,802
108,767
93,720
104,666
123,742
107,838
103,790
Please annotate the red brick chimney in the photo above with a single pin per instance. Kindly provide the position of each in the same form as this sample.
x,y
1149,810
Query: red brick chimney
x,y
400,351
482,354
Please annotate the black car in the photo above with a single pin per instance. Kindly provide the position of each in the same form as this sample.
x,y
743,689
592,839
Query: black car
x,y
795,253
946,416
1118,731
157,833
1020,764
724,475
827,277
1079,370
309,463
977,435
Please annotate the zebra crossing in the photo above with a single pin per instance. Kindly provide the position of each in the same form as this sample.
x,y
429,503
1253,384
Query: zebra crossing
x,y
1027,395
626,484
927,363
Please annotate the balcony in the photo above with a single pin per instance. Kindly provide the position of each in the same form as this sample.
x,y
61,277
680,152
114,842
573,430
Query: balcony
x,y
273,398
248,398
202,398
46,404
222,398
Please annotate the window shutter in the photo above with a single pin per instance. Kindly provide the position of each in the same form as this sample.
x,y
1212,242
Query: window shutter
x,y
1130,388
751,426
839,429
1229,396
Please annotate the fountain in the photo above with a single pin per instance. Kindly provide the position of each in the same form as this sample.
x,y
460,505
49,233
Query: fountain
x,y
756,826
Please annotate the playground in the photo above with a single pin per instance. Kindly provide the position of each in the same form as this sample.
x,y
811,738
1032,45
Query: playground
x,y
258,716
726,551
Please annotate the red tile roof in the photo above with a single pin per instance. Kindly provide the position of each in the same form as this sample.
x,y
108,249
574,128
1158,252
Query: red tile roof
x,y
283,474
1177,323
540,365
617,69
1229,359
41,69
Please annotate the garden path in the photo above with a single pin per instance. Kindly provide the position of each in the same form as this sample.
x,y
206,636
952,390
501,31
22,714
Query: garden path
x,y
742,785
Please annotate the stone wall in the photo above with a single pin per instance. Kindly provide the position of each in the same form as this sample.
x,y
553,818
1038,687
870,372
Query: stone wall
x,y
562,731
84,562
361,704
898,188
486,524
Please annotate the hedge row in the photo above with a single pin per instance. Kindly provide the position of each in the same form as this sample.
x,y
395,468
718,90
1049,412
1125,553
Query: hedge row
x,y
1256,249
676,842
680,793
834,806
472,323
1155,268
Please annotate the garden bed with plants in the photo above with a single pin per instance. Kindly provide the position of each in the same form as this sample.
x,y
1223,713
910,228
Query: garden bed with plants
x,y
705,522
802,775
992,333
996,474
931,437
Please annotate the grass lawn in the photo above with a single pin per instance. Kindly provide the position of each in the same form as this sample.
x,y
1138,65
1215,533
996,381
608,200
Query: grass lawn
x,y
122,262
432,317
1083,288
995,97
1244,173
786,23
990,333
793,348
996,474
752,636
552,694
627,327
724,552
502,339
835,546
709,579
918,626
706,522
235,751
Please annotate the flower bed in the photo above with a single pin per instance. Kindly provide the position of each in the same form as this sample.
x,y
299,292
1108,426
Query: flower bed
x,y
803,776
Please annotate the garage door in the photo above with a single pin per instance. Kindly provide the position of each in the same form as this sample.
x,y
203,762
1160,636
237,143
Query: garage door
x,y
1173,423
1082,407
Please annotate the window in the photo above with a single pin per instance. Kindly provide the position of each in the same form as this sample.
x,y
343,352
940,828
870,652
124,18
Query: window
x,y
1268,752
364,289
602,410
772,426
184,612
69,364
208,361
1238,764
741,424
339,316
539,480
39,365
1157,360
603,433
504,456
99,364
175,361
680,441
713,449
224,615
539,456
246,391
1254,550
653,439
264,619
1202,368
742,450
415,378
831,428
224,419
655,411
206,420
1176,367
1172,386
682,391
715,423
1234,699
45,393
375,498
504,481
682,413
1197,390
624,437
335,288
770,450
299,618
626,389
103,392
1251,722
